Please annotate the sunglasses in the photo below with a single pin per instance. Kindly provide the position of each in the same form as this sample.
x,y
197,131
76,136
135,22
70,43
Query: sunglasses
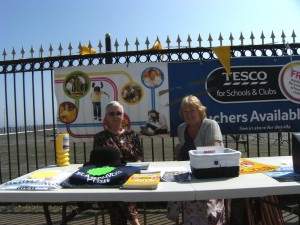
x,y
115,113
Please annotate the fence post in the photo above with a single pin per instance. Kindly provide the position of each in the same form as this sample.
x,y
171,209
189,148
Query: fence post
x,y
108,59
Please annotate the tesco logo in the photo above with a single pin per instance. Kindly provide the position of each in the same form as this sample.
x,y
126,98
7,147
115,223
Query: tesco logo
x,y
246,76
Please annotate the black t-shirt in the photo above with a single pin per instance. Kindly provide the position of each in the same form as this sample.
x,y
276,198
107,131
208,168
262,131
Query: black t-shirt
x,y
93,176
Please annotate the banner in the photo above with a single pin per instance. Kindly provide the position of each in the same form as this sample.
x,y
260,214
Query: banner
x,y
83,92
260,95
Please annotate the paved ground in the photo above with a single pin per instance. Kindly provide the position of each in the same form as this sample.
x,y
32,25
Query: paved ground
x,y
34,215
29,215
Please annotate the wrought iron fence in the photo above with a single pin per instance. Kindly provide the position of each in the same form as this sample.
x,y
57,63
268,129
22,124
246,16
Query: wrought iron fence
x,y
28,101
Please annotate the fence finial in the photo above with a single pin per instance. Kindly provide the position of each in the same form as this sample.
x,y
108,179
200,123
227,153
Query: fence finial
x,y
31,51
168,41
126,44
242,38
79,47
283,37
294,37
147,43
189,40
50,50
41,51
231,39
60,48
100,46
116,45
178,41
22,52
220,39
4,54
137,43
70,48
90,45
252,38
199,40
210,40
262,37
13,53
273,38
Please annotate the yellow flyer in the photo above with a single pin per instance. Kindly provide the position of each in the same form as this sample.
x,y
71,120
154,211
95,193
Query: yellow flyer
x,y
247,166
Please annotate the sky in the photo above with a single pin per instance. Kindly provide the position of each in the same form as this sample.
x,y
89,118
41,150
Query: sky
x,y
36,23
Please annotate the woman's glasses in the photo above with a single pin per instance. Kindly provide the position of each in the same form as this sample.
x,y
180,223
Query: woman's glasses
x,y
115,113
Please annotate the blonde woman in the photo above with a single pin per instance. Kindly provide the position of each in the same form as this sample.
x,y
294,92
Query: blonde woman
x,y
197,131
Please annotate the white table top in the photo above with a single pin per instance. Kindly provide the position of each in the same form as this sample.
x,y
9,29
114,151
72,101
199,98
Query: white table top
x,y
245,185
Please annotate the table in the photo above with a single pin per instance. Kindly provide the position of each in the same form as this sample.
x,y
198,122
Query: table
x,y
243,186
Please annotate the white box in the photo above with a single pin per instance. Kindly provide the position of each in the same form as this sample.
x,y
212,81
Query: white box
x,y
214,161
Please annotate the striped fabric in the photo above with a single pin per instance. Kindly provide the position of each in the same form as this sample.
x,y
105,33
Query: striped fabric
x,y
264,211
270,214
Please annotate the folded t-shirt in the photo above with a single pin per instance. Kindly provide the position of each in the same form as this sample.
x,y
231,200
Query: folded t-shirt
x,y
97,177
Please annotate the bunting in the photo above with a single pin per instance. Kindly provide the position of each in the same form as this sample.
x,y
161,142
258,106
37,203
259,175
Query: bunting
x,y
223,54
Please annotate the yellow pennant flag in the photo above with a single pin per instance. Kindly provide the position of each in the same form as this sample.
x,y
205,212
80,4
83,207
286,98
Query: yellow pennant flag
x,y
157,46
223,54
85,50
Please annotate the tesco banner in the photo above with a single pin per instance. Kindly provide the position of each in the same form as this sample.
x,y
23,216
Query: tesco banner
x,y
260,95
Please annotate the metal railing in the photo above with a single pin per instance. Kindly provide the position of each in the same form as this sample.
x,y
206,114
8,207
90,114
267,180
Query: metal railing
x,y
28,101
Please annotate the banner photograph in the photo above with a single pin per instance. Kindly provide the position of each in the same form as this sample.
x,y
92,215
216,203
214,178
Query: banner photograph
x,y
83,92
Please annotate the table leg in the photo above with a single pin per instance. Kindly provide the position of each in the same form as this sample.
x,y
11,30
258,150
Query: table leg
x,y
64,211
47,213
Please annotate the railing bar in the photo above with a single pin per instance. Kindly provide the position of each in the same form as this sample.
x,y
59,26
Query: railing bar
x,y
289,144
163,147
248,149
173,147
85,154
53,112
142,144
43,115
74,152
257,144
226,141
7,125
269,146
236,142
279,142
34,118
152,148
16,124
25,121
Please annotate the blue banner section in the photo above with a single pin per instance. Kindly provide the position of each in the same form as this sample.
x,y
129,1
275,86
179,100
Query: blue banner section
x,y
261,94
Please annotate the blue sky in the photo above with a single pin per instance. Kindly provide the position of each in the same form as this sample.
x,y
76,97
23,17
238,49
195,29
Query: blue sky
x,y
36,23
27,23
